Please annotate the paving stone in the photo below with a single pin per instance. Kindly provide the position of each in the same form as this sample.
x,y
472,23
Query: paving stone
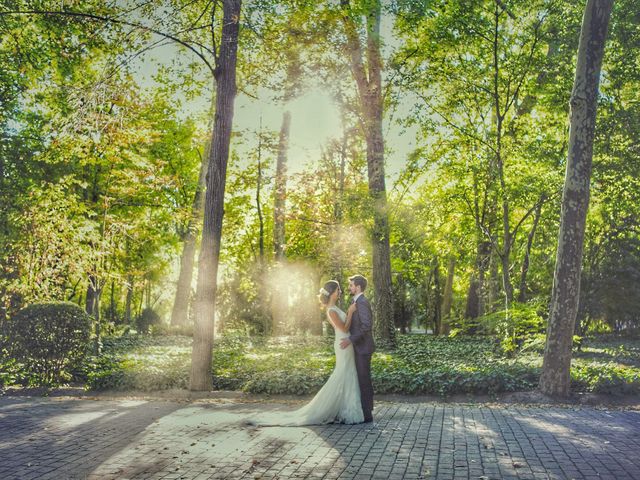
x,y
65,438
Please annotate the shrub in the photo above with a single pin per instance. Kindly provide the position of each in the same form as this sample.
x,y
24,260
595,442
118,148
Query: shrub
x,y
9,369
140,362
147,319
104,372
49,340
605,378
512,328
536,342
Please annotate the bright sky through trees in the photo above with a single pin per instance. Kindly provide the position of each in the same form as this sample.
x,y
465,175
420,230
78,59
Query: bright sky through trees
x,y
315,115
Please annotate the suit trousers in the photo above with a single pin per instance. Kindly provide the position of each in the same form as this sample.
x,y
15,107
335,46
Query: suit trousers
x,y
363,367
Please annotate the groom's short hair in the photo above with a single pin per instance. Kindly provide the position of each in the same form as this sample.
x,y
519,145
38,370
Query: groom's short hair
x,y
360,281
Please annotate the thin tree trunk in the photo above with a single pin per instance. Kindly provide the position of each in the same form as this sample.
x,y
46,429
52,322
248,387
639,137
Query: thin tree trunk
x,y
492,283
279,304
339,205
214,200
505,254
476,293
98,327
447,298
472,306
401,301
369,83
180,312
112,306
437,299
522,291
263,284
281,190
129,300
147,293
92,307
259,202
92,293
139,307
476,296
555,378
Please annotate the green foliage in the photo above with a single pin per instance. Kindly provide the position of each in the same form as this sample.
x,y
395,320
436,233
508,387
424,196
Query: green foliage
x,y
147,319
444,366
293,365
104,372
514,326
136,362
49,340
9,369
607,378
300,365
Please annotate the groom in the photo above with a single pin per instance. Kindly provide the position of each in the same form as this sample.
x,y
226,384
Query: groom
x,y
362,340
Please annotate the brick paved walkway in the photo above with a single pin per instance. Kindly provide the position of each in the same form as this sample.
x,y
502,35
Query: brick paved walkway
x,y
63,438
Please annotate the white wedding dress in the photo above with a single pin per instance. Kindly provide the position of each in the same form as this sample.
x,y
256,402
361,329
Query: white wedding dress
x,y
337,401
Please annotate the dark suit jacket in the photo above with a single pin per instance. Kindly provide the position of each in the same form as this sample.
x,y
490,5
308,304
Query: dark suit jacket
x,y
361,325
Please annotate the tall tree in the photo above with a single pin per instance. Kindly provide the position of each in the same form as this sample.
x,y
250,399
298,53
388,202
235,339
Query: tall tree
x,y
180,311
555,378
370,95
225,74
279,314
280,194
447,297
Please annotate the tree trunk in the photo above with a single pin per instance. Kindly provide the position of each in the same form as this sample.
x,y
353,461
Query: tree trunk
x,y
400,309
261,272
180,312
472,307
555,378
261,256
214,200
92,294
522,291
147,293
447,298
139,307
437,299
281,190
369,83
339,202
491,291
129,300
279,305
92,307
476,294
499,116
336,268
113,317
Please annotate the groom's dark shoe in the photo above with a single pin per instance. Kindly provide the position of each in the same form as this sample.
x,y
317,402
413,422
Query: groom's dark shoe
x,y
368,419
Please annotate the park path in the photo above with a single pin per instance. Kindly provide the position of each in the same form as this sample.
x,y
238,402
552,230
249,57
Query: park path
x,y
73,438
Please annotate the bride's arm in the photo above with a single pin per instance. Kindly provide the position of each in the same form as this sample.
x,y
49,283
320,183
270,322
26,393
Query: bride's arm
x,y
336,322
350,312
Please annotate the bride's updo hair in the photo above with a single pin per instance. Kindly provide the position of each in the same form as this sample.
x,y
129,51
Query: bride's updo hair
x,y
326,291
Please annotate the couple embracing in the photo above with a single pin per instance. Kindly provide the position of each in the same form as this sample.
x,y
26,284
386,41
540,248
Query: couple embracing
x,y
347,396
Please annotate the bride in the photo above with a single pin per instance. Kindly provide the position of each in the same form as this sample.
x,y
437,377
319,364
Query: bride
x,y
339,398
